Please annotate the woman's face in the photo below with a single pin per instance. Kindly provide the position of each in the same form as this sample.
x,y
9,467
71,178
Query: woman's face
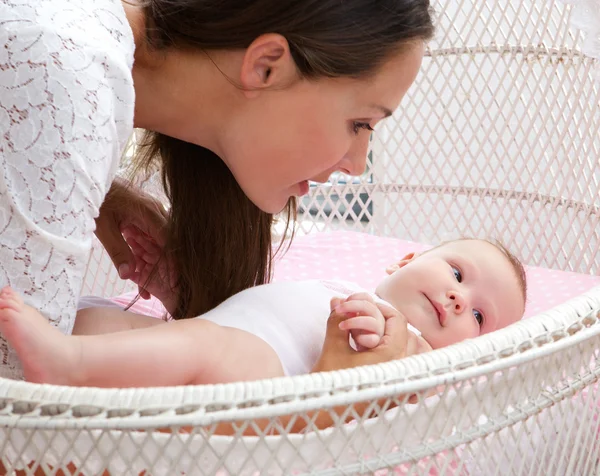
x,y
282,138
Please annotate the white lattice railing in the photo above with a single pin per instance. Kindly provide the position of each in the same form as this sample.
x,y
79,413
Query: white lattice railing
x,y
500,136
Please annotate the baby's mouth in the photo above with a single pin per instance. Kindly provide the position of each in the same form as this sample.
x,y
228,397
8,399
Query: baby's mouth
x,y
439,310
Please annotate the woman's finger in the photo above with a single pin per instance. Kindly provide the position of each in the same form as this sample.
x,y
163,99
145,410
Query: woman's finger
x,y
145,241
144,294
395,335
135,247
334,302
141,252
115,245
333,334
366,341
151,218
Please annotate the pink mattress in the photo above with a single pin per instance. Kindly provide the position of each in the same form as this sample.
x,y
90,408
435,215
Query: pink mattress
x,y
362,258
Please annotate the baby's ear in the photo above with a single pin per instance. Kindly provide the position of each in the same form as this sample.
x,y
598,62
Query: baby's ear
x,y
403,262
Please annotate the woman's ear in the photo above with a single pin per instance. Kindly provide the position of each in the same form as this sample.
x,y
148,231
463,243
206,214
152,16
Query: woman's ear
x,y
267,63
403,262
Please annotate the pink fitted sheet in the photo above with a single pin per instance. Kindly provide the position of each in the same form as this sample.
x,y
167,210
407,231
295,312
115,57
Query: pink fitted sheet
x,y
362,258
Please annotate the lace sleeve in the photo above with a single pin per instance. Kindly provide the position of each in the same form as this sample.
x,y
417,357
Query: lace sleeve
x,y
66,107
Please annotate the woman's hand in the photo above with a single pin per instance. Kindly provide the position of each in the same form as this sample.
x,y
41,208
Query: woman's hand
x,y
397,341
155,273
126,207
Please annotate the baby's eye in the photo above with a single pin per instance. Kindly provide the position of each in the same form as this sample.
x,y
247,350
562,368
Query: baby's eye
x,y
457,274
478,316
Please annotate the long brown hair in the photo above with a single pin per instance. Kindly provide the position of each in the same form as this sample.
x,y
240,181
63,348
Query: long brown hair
x,y
219,241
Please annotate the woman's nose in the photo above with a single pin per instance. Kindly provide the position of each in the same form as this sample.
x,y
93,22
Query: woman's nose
x,y
355,160
457,301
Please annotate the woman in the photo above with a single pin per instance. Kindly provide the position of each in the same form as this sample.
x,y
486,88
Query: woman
x,y
247,100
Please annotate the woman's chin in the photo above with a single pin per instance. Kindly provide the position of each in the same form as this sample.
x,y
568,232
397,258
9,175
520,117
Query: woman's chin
x,y
274,206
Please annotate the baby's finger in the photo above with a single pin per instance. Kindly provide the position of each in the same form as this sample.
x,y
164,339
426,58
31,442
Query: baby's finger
x,y
388,311
360,297
362,323
363,308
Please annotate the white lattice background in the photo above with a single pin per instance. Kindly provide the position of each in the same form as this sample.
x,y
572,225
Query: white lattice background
x,y
499,137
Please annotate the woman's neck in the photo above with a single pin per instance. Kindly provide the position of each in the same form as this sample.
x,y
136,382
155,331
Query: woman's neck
x,y
178,93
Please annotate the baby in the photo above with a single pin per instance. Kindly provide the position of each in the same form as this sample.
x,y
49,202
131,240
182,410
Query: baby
x,y
458,290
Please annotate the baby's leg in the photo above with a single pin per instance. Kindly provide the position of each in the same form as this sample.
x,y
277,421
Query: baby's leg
x,y
105,320
189,351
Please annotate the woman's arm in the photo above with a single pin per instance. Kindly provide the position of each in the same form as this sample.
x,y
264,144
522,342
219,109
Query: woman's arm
x,y
129,211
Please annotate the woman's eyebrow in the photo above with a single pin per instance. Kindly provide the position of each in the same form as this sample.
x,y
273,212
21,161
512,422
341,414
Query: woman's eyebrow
x,y
386,112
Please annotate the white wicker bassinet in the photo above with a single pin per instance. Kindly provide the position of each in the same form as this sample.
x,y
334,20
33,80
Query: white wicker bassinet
x,y
500,136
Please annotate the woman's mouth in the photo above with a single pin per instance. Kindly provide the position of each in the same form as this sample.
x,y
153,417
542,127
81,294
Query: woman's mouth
x,y
304,187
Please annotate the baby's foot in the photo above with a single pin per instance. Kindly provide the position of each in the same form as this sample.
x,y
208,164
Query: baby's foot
x,y
45,354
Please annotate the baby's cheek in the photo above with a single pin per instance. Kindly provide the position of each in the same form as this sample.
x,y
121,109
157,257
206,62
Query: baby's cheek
x,y
462,331
445,336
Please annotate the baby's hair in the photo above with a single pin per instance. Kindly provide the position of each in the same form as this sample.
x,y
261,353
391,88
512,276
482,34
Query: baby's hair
x,y
515,262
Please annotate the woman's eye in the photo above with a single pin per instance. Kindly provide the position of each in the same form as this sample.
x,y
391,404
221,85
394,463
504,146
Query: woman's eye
x,y
478,316
357,126
457,274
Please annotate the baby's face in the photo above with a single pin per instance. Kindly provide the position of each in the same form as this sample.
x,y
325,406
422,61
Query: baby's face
x,y
457,291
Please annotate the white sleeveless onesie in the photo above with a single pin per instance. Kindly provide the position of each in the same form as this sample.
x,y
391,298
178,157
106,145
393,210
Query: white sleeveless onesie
x,y
289,316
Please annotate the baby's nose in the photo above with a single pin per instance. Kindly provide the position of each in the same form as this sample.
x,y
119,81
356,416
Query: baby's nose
x,y
457,301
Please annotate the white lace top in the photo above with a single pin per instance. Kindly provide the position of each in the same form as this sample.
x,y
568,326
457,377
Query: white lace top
x,y
66,113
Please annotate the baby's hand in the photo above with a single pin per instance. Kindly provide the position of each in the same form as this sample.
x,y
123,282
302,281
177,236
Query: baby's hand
x,y
365,321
